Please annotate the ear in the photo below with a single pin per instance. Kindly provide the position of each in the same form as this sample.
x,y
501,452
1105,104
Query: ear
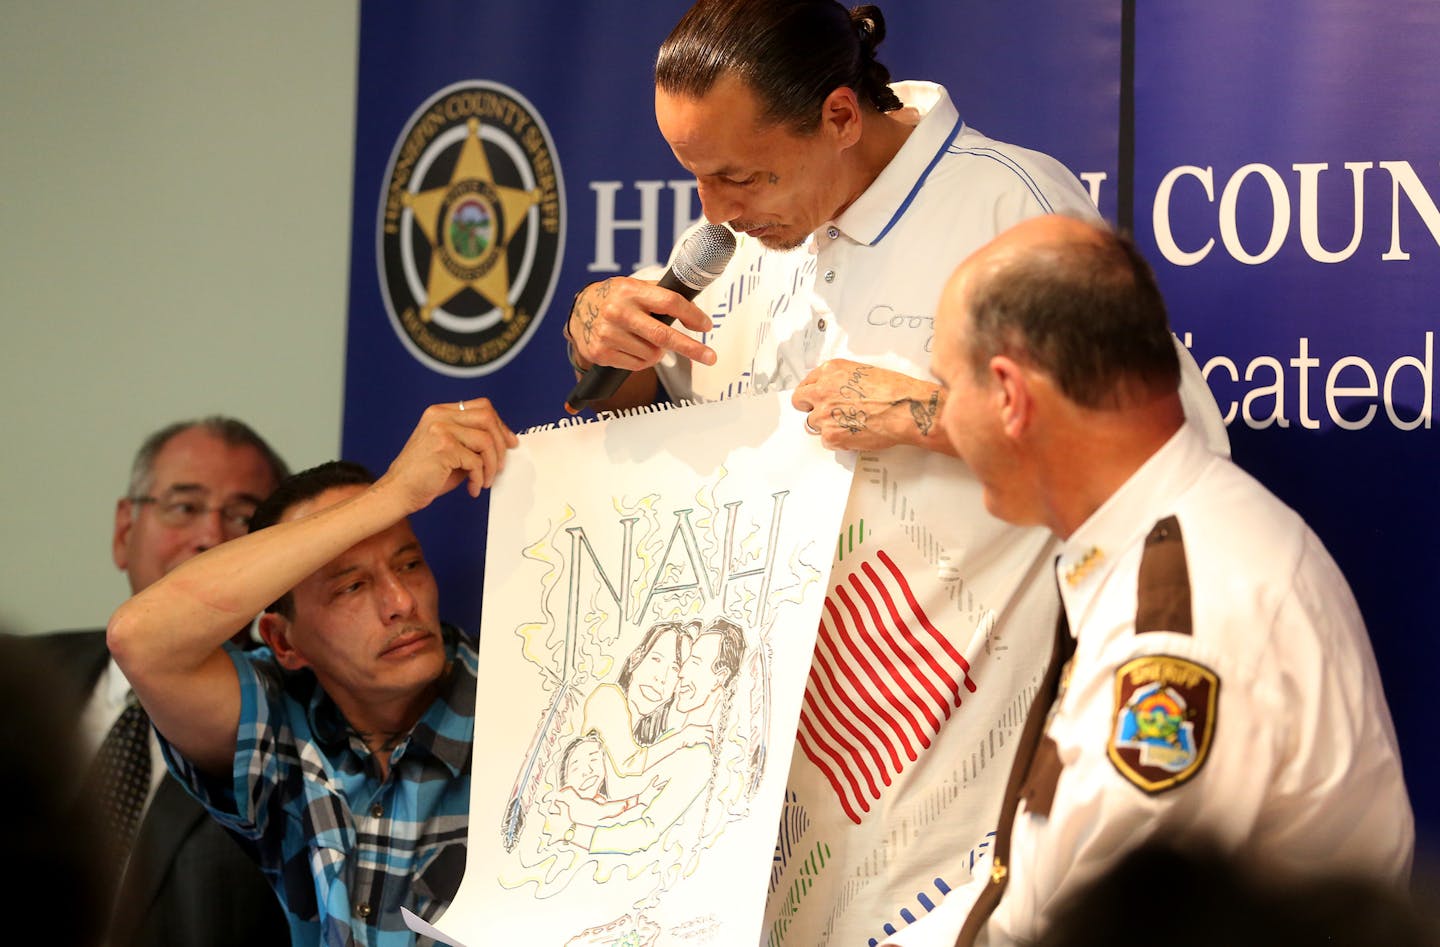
x,y
1014,396
119,542
840,115
274,630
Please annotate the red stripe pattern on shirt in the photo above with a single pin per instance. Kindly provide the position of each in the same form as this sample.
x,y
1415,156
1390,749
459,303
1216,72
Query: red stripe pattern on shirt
x,y
882,682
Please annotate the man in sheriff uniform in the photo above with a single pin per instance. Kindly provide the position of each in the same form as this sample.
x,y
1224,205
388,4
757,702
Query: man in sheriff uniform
x,y
1221,681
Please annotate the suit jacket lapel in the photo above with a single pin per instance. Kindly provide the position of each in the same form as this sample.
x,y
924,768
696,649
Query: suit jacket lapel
x,y
172,816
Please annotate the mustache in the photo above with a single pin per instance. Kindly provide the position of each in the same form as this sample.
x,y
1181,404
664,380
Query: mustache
x,y
408,631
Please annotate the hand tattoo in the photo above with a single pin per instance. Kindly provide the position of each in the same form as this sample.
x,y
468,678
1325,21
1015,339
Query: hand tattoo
x,y
853,387
591,311
850,419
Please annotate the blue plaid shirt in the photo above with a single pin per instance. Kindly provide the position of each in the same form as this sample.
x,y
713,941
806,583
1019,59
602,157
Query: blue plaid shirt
x,y
344,850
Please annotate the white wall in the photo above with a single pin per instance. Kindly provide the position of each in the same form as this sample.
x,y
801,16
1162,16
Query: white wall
x,y
175,184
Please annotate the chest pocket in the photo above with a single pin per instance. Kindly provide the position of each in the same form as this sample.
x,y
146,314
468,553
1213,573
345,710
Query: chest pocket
x,y
438,879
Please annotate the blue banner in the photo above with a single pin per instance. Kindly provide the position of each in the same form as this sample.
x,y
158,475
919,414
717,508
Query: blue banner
x,y
1288,202
507,154
572,182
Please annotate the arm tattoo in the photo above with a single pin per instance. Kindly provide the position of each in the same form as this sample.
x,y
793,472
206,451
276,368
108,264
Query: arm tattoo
x,y
923,413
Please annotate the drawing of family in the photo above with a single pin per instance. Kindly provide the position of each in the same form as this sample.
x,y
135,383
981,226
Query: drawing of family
x,y
651,743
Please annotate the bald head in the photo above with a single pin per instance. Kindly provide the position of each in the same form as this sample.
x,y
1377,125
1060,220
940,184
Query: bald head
x,y
1060,370
1073,300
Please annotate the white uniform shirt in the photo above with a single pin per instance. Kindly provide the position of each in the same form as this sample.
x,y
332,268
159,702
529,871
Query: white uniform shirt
x,y
1296,767
939,616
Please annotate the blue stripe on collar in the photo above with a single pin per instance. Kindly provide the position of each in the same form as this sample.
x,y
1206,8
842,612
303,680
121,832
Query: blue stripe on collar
x,y
920,181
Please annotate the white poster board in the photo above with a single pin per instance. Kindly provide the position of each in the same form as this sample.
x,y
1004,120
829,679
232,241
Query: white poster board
x,y
652,592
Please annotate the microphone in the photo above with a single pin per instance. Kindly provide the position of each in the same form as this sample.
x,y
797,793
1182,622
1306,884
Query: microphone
x,y
700,259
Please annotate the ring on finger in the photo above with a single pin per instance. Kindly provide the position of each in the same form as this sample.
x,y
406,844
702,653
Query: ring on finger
x,y
460,405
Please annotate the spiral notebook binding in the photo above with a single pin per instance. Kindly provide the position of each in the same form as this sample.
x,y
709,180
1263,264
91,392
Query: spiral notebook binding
x,y
577,420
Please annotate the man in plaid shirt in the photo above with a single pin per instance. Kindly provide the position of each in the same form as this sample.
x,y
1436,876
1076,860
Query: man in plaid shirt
x,y
342,749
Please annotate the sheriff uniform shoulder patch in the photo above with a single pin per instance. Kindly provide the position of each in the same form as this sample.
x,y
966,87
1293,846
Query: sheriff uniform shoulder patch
x,y
1164,720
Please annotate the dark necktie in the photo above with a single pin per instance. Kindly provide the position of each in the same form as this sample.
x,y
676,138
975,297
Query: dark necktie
x,y
119,781
1029,755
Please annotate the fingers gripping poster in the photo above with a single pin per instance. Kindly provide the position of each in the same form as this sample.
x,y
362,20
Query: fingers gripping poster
x,y
652,594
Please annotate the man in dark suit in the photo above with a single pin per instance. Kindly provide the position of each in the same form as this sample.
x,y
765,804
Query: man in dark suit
x,y
193,485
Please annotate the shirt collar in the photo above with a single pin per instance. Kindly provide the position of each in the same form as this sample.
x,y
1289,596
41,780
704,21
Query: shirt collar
x,y
1122,520
885,201
116,686
439,730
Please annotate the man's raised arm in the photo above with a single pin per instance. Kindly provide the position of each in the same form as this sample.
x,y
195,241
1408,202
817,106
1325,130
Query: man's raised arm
x,y
168,638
